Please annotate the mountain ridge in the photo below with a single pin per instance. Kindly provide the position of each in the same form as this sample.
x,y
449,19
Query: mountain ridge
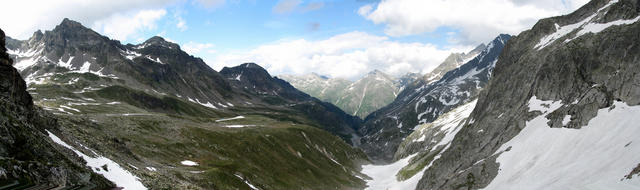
x,y
424,100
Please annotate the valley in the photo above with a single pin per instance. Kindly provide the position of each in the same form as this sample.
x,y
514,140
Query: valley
x,y
550,107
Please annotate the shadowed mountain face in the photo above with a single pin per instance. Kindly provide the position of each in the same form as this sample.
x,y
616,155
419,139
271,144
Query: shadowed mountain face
x,y
29,157
255,80
424,100
155,64
560,98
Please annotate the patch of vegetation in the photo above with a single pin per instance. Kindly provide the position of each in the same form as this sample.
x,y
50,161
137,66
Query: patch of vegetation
x,y
421,160
165,104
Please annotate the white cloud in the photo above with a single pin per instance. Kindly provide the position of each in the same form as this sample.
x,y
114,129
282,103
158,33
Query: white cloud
x,y
195,48
348,55
182,25
22,18
285,6
478,20
121,26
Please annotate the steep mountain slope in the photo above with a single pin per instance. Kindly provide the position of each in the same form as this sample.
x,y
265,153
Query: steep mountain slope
x,y
28,158
567,121
155,64
359,98
373,91
280,95
407,79
136,110
90,62
423,101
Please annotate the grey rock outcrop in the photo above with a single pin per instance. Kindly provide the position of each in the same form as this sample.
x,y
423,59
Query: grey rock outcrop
x,y
585,70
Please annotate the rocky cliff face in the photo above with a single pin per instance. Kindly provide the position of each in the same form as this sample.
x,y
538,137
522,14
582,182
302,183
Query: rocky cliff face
x,y
28,158
559,91
423,101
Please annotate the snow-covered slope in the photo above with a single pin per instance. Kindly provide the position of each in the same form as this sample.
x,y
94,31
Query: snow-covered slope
x,y
600,155
418,151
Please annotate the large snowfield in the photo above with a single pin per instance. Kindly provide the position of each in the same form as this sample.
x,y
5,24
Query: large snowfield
x,y
597,156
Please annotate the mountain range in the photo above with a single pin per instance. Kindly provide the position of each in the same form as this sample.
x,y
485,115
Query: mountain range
x,y
374,90
154,112
553,107
424,100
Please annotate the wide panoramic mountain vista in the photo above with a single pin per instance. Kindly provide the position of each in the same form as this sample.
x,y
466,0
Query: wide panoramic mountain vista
x,y
297,94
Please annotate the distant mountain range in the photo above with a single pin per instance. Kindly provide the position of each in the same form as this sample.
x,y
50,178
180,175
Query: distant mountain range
x,y
374,90
424,100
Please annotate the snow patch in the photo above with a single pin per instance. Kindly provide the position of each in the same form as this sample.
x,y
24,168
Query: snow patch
x,y
229,119
189,163
384,176
586,26
246,181
114,172
239,126
566,120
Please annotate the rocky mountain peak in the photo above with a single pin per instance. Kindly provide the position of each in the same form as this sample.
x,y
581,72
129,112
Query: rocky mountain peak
x,y
247,72
69,24
69,29
158,41
251,65
478,48
377,74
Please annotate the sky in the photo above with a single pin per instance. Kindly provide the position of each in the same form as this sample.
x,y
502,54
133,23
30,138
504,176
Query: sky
x,y
336,38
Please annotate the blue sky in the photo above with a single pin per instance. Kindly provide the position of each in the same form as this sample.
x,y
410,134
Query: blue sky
x,y
337,38
248,24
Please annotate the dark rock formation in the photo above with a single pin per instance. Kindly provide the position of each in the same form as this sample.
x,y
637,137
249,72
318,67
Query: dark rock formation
x,y
28,157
